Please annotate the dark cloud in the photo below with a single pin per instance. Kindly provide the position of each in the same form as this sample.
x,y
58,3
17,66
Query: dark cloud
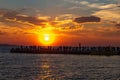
x,y
13,15
87,19
117,25
2,33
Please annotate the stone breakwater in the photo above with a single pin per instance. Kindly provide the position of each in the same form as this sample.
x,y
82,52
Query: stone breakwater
x,y
67,50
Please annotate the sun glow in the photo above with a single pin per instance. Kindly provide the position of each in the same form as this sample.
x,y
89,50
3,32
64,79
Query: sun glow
x,y
47,38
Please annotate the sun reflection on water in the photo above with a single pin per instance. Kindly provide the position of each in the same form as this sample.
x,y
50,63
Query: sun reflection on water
x,y
45,71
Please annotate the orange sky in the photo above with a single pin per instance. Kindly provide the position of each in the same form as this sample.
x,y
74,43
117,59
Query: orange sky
x,y
31,36
87,22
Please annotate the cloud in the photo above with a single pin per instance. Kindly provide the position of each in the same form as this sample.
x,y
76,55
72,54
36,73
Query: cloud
x,y
16,16
65,22
91,4
117,25
101,6
87,19
65,17
2,33
109,15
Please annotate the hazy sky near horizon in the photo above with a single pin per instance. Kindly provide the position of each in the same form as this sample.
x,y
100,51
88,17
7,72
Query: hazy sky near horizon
x,y
89,22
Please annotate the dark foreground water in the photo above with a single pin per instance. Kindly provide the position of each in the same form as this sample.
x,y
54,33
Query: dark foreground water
x,y
58,67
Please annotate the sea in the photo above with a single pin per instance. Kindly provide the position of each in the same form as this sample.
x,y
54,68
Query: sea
x,y
17,66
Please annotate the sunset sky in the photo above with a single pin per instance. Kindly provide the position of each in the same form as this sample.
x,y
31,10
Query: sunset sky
x,y
68,22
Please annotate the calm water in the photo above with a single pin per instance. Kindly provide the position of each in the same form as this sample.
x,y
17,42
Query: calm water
x,y
58,67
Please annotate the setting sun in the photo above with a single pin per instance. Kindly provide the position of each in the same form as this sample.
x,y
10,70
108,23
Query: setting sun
x,y
46,39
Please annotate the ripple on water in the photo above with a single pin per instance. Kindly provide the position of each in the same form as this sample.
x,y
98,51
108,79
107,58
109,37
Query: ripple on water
x,y
58,67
